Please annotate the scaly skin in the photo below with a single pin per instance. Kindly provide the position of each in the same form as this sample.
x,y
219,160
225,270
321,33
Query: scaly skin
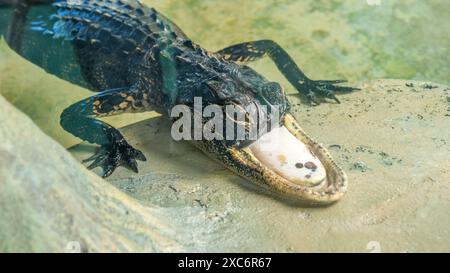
x,y
138,60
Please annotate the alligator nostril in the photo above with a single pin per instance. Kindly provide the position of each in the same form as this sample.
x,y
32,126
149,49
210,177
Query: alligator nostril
x,y
299,165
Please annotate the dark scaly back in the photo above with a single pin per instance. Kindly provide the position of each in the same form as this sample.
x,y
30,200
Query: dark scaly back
x,y
97,44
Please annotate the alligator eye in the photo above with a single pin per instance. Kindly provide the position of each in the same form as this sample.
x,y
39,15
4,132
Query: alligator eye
x,y
74,32
225,90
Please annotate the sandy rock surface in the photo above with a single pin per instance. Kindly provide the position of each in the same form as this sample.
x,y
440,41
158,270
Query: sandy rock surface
x,y
50,203
393,140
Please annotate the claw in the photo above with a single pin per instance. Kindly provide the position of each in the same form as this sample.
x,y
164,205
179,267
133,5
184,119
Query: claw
x,y
333,96
110,166
98,162
345,89
132,164
139,155
326,82
108,171
93,157
112,156
325,89
312,99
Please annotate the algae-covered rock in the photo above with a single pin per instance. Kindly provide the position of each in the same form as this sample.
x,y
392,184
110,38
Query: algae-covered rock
x,y
50,203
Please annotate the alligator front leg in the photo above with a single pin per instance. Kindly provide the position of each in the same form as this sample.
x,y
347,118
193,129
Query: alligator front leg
x,y
79,119
251,51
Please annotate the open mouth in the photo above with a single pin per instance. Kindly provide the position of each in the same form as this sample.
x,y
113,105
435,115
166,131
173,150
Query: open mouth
x,y
280,151
287,162
293,165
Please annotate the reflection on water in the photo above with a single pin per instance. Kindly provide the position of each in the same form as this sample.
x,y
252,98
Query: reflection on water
x,y
356,40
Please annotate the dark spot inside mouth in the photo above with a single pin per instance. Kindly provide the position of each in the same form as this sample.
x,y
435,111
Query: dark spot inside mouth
x,y
311,166
299,165
308,176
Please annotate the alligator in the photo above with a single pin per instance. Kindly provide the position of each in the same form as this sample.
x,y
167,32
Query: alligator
x,y
137,60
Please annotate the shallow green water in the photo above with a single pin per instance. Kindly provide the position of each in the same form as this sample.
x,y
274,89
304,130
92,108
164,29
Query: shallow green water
x,y
330,39
399,205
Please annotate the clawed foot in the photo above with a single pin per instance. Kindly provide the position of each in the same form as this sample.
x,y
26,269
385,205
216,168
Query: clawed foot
x,y
317,91
109,157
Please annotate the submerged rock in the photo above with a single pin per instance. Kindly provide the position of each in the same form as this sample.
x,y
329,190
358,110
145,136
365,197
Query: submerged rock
x,y
50,203
400,207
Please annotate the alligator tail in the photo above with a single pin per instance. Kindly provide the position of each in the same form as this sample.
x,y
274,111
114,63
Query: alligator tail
x,y
5,16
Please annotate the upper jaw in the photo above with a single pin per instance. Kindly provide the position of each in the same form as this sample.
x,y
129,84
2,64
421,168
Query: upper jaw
x,y
244,162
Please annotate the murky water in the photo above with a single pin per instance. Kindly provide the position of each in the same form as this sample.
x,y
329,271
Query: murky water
x,y
330,39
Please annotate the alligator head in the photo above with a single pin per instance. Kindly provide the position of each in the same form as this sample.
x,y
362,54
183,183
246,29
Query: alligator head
x,y
283,158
